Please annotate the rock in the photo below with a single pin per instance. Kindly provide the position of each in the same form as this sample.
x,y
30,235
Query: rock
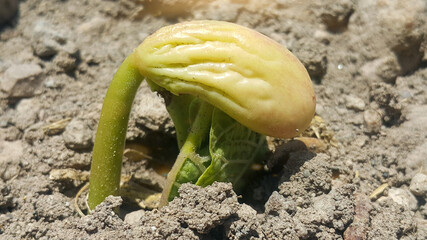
x,y
355,103
78,135
65,62
8,10
44,48
21,80
322,36
403,197
419,185
49,40
151,113
69,175
372,121
53,82
34,133
10,156
26,113
134,218
96,25
335,14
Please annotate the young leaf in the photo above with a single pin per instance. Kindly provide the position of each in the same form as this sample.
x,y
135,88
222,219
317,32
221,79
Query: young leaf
x,y
233,149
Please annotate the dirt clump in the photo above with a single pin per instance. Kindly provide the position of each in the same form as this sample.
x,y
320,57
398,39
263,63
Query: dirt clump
x,y
367,60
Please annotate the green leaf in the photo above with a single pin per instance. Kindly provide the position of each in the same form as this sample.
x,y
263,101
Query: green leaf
x,y
233,149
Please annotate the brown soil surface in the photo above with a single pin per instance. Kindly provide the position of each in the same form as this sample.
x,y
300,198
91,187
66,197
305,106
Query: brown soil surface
x,y
366,180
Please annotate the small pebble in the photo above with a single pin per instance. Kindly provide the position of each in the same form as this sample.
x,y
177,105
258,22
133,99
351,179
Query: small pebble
x,y
21,80
95,26
10,157
403,197
372,121
77,135
65,62
49,39
354,103
133,218
419,185
27,113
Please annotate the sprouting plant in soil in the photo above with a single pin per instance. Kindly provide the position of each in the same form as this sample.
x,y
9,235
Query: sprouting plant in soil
x,y
225,87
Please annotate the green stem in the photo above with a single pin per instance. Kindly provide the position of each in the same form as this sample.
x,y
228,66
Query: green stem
x,y
199,129
178,109
111,134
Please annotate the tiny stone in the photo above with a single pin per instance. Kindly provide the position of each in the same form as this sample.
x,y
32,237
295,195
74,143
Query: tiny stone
x,y
49,39
21,80
403,197
372,121
10,156
419,185
77,135
27,111
322,36
151,113
335,14
50,83
96,25
3,123
355,103
65,61
356,120
44,48
360,141
133,218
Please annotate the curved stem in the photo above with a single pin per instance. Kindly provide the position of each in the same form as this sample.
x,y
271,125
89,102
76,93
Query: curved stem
x,y
198,131
111,133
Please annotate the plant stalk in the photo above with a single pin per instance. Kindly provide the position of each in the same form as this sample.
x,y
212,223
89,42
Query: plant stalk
x,y
111,133
198,131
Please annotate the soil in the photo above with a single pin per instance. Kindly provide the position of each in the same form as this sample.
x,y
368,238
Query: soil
x,y
365,178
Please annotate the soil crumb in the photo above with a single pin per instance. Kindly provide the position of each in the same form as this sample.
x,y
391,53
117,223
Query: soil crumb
x,y
367,60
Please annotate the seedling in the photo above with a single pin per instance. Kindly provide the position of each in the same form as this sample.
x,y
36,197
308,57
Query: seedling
x,y
225,87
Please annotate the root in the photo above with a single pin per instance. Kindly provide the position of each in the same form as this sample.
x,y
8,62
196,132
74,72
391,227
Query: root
x,y
76,200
